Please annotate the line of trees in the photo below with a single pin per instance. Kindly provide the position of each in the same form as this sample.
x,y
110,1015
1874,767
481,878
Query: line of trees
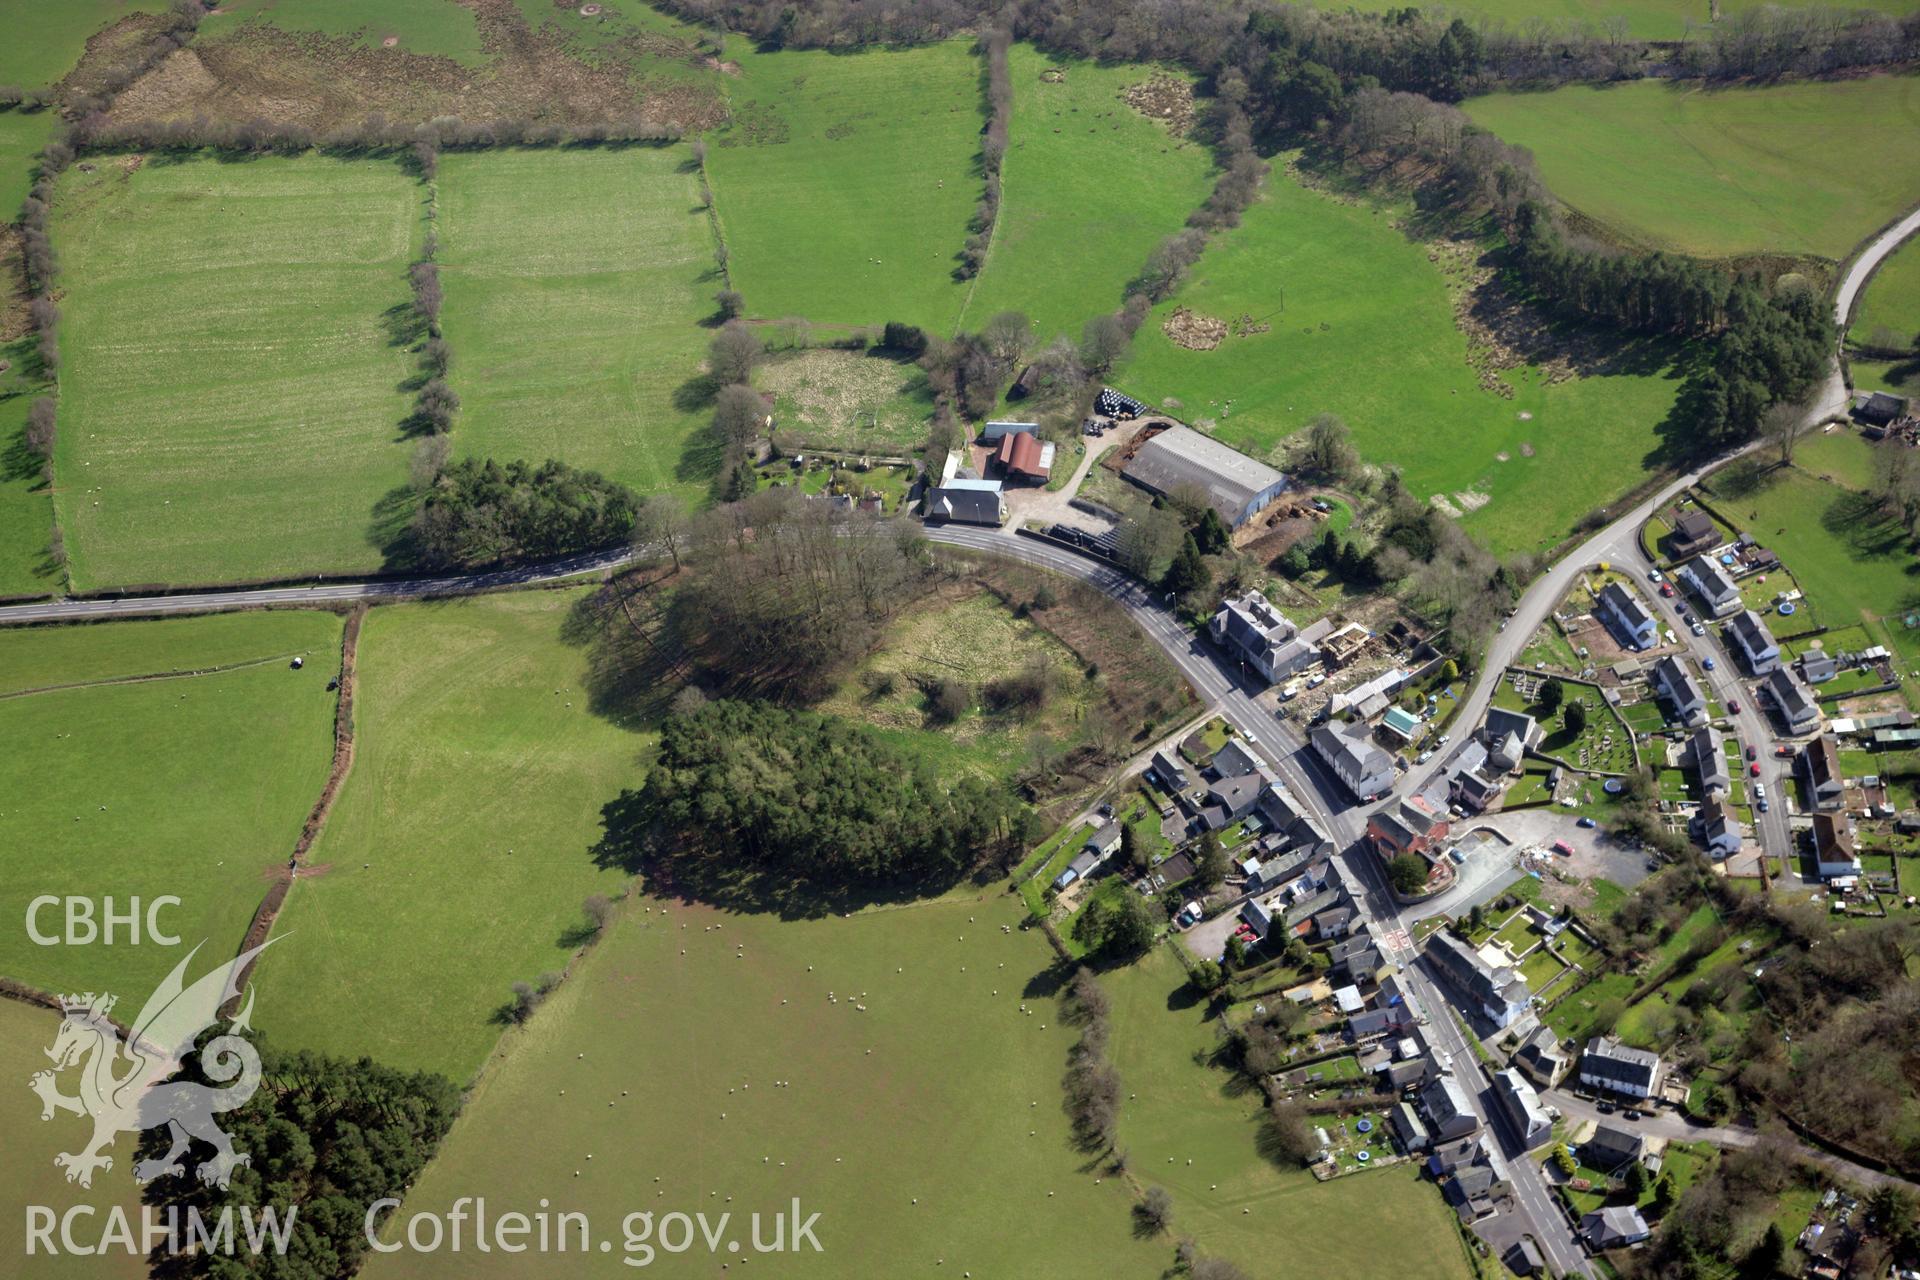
x,y
755,788
1091,1085
993,45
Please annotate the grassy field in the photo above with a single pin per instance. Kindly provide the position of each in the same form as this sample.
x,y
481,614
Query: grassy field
x,y
230,401
844,400
1178,1111
457,857
575,282
845,182
194,787
1385,360
1892,300
1853,562
438,27
49,38
1802,168
32,1178
1088,187
926,1131
1901,377
26,507
1646,19
22,134
44,657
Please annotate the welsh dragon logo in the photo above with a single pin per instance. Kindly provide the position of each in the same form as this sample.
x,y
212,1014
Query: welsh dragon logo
x,y
123,1085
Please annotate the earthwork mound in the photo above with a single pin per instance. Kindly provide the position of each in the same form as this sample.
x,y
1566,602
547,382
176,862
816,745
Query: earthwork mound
x,y
1195,332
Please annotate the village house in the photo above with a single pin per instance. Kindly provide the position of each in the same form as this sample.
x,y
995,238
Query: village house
x,y
1612,1149
1520,1105
1796,708
1879,409
1671,679
1508,736
1819,766
1471,1173
1715,826
1693,533
1253,630
1542,1058
1363,768
1706,750
1632,625
1834,857
1414,826
965,501
1171,773
1408,1129
1100,846
1710,582
1449,1110
1610,1065
1496,992
1750,639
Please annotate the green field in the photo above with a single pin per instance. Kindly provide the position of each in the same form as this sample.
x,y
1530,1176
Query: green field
x,y
845,182
1179,1111
1853,562
575,282
1392,363
1891,304
439,27
231,396
1902,377
194,787
1088,187
22,134
51,656
926,1131
473,739
26,508
1810,168
1646,19
49,38
33,1179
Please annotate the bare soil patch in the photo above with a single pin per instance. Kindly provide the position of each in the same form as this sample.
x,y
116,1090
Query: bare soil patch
x,y
1196,332
1166,99
261,72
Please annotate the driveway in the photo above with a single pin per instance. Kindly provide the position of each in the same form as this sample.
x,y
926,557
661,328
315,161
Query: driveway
x,y
1045,507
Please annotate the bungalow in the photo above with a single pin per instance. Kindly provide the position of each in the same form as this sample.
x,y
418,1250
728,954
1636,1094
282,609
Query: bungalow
x,y
1233,760
1521,1106
963,501
1497,992
1711,583
1614,1227
1671,679
1608,1064
1797,711
1082,866
1253,630
1706,749
1628,619
1542,1058
1611,1149
1817,666
1363,768
1752,642
1105,839
1449,1110
1693,532
1833,852
1819,766
1716,828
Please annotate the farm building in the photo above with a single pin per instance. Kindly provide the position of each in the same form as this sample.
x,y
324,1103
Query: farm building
x,y
1236,486
1024,456
1878,409
994,432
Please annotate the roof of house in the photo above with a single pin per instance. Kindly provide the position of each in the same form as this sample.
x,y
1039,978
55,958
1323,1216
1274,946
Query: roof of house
x,y
1616,1224
1715,818
1501,722
1172,771
1607,1059
1822,760
1610,1146
1817,665
1373,1022
1883,407
1236,795
977,500
1446,1099
1233,760
1401,721
1708,749
1350,750
1490,984
1693,526
1832,840
1789,695
1626,606
1181,456
1711,578
1672,676
1749,629
1522,1103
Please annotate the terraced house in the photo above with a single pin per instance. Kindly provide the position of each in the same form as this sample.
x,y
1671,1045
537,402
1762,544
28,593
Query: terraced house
x,y
1496,992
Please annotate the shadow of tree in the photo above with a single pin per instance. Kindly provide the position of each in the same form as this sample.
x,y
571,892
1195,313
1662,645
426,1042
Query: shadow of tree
x,y
390,531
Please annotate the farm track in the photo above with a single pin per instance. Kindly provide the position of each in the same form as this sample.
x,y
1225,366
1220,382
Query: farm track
x,y
189,674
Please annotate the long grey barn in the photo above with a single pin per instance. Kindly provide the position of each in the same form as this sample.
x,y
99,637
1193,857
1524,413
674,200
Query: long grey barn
x,y
1237,486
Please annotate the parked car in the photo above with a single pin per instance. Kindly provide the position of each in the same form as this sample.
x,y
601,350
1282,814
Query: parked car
x,y
1604,1107
1733,704
1699,630
1751,753
1666,589
1562,848
1653,575
1762,806
1760,791
1783,750
1587,822
1631,1113
1753,770
1707,663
